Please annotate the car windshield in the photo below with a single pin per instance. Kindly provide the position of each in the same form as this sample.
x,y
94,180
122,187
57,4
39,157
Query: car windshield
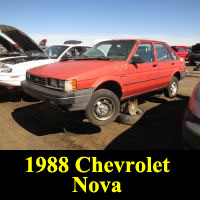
x,y
113,50
55,51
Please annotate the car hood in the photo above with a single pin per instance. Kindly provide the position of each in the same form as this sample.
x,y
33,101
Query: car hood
x,y
80,70
23,40
8,45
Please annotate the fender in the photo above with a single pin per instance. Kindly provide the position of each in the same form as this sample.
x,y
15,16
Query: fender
x,y
104,79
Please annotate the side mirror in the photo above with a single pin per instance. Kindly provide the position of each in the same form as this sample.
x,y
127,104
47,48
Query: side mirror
x,y
136,60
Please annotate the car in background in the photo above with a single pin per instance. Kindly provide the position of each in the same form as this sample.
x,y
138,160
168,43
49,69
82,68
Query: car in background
x,y
191,122
109,75
43,44
13,70
72,42
194,57
182,51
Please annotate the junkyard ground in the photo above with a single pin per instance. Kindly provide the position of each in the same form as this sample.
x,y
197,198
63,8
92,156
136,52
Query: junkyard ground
x,y
35,125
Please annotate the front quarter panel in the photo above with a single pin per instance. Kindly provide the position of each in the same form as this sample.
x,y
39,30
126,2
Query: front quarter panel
x,y
117,73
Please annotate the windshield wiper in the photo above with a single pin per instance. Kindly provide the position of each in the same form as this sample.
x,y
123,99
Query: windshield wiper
x,y
73,58
102,58
90,58
85,58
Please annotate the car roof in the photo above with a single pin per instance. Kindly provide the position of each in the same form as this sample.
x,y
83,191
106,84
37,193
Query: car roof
x,y
145,40
139,40
181,46
71,45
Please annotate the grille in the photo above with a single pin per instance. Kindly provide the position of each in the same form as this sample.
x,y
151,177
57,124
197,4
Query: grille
x,y
38,80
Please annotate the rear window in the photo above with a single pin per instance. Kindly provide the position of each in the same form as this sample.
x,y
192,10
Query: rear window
x,y
182,50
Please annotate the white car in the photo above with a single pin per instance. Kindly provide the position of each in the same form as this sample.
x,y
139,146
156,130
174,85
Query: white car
x,y
13,70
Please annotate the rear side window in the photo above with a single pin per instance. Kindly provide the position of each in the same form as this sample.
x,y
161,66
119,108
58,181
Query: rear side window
x,y
145,52
162,52
175,57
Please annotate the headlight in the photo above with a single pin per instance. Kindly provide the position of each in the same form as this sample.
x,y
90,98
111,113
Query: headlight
x,y
63,85
5,69
70,85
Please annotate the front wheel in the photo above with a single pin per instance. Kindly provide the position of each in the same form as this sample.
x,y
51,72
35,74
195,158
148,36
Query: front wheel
x,y
172,89
103,108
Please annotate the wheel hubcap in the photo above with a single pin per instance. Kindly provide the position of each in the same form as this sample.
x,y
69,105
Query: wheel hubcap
x,y
103,108
173,88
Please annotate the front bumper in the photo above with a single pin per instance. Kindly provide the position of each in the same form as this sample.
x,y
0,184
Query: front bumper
x,y
9,80
191,130
77,100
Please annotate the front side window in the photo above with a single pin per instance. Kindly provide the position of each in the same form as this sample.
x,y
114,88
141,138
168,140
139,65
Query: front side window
x,y
145,52
162,52
114,49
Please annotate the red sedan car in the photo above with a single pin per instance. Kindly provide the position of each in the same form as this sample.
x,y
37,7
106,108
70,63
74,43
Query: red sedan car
x,y
107,76
182,51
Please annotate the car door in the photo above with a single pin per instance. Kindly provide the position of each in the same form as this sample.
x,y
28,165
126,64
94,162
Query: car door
x,y
143,77
165,64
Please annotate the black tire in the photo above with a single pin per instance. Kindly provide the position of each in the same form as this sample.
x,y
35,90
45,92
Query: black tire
x,y
170,92
130,119
103,99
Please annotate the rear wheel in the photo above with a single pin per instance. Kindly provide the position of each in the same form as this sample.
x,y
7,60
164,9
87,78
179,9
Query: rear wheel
x,y
172,89
103,108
